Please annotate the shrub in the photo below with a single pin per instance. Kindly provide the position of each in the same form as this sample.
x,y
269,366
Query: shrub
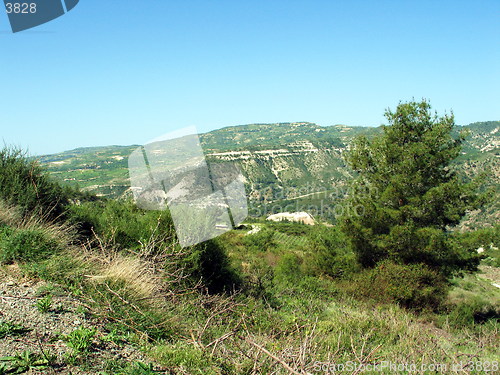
x,y
26,245
330,256
260,241
208,261
25,184
288,269
472,312
121,223
412,286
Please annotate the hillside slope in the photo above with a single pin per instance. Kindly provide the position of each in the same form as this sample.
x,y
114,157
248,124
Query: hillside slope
x,y
286,165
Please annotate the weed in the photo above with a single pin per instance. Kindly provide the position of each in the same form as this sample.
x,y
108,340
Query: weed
x,y
44,304
23,362
123,368
80,340
116,337
11,329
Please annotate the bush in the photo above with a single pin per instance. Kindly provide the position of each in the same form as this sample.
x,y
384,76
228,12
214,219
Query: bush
x,y
412,286
121,223
330,256
25,184
479,238
288,270
26,245
208,261
125,226
260,241
472,312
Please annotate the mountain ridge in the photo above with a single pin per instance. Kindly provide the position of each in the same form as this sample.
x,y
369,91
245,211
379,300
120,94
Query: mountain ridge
x,y
280,162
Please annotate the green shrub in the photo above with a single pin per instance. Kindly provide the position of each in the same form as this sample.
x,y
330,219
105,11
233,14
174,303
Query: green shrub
x,y
208,261
472,312
263,240
24,245
288,269
330,256
412,286
23,183
5,232
121,223
479,238
293,229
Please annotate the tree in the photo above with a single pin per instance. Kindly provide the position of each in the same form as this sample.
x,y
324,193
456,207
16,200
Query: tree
x,y
409,194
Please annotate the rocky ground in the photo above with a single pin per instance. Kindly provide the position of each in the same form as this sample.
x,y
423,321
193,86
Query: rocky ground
x,y
31,321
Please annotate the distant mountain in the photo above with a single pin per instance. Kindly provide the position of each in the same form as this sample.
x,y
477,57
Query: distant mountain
x,y
287,166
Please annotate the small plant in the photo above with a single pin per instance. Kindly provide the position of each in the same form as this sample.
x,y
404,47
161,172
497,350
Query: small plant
x,y
44,304
115,337
3,368
123,368
140,368
23,362
80,340
45,290
11,329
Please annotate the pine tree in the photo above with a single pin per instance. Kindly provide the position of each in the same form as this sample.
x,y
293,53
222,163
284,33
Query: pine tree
x,y
407,194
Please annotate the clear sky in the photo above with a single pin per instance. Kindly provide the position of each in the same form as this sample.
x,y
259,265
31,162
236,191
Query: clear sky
x,y
124,72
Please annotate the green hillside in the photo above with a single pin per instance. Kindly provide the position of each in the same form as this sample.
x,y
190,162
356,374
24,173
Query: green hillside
x,y
294,165
101,286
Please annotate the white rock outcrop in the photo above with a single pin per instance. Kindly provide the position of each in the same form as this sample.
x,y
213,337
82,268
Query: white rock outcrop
x,y
299,217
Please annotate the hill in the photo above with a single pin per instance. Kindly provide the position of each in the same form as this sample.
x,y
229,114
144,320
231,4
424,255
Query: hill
x,y
297,166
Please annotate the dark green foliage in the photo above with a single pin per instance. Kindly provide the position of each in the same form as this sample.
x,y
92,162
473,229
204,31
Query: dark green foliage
x,y
293,229
24,245
121,223
25,184
413,286
330,254
260,241
288,270
11,329
407,194
5,232
472,312
484,237
208,261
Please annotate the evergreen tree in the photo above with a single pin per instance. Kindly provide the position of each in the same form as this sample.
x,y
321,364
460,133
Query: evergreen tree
x,y
407,195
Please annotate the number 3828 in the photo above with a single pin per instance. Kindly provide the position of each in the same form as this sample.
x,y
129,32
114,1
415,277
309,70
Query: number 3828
x,y
21,8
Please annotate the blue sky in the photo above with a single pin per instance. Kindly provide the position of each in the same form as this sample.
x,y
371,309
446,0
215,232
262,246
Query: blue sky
x,y
124,72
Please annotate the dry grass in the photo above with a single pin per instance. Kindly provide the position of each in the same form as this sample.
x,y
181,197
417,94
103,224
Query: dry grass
x,y
9,215
64,234
134,274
